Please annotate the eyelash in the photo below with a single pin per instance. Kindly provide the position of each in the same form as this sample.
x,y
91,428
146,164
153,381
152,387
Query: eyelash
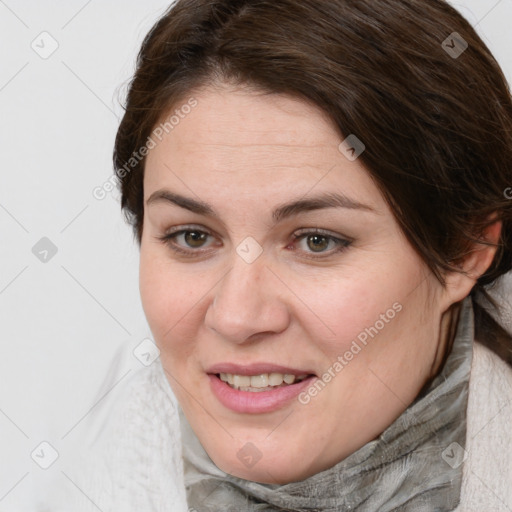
x,y
342,244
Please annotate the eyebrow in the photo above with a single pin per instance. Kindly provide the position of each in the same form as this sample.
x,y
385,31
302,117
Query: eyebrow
x,y
327,200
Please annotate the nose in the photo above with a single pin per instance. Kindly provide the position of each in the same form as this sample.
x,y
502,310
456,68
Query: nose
x,y
248,303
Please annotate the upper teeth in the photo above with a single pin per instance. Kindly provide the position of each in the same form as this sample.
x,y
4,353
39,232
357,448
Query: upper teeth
x,y
260,381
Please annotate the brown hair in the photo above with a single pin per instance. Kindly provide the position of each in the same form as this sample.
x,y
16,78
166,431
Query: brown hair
x,y
437,125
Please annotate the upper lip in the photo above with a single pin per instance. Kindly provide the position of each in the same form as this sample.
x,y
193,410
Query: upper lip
x,y
255,369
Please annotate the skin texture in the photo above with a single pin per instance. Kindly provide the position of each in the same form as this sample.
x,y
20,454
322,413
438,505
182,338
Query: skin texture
x,y
245,154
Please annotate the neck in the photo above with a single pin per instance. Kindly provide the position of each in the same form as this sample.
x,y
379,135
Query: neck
x,y
447,331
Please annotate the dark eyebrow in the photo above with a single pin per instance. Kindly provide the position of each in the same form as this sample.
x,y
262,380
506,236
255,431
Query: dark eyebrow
x,y
184,202
329,200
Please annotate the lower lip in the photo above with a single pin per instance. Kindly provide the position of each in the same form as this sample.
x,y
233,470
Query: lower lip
x,y
256,402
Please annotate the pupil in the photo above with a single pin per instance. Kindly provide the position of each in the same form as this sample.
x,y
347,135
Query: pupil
x,y
195,239
319,242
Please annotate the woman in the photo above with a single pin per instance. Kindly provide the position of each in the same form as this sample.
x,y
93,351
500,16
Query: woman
x,y
318,191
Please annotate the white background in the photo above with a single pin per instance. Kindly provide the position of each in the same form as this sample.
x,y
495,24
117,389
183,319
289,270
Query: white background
x,y
69,326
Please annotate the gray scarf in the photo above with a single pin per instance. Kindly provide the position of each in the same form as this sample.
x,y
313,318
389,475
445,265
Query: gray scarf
x,y
413,466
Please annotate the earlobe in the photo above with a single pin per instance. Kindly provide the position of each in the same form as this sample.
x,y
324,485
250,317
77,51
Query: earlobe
x,y
475,264
482,256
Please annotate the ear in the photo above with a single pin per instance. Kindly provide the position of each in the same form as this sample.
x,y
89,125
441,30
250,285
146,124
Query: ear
x,y
459,285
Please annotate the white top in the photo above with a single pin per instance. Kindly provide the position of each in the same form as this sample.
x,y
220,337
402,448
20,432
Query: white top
x,y
136,463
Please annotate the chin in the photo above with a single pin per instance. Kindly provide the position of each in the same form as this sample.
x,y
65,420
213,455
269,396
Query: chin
x,y
267,474
263,466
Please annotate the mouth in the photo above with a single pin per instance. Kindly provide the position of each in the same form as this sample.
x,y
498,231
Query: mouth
x,y
262,382
256,389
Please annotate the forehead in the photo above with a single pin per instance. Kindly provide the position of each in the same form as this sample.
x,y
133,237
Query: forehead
x,y
253,144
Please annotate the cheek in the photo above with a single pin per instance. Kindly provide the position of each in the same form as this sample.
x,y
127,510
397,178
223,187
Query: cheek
x,y
172,314
170,299
348,307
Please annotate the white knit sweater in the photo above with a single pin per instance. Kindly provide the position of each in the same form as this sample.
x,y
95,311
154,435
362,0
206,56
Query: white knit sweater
x,y
136,465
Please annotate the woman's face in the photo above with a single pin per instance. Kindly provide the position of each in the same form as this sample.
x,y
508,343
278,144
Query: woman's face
x,y
282,261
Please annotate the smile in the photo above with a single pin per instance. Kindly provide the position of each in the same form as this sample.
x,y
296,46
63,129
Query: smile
x,y
260,383
257,388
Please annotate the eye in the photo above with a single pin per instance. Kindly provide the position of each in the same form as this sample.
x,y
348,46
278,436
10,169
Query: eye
x,y
317,243
189,241
320,242
194,239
